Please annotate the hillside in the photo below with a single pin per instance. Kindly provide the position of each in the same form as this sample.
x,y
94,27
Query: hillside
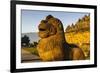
x,y
79,34
33,36
82,24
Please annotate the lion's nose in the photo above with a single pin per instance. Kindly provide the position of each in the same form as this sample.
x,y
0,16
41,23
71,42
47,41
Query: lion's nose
x,y
42,27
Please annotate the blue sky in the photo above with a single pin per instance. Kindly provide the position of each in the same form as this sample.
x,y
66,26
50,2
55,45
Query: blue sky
x,y
30,19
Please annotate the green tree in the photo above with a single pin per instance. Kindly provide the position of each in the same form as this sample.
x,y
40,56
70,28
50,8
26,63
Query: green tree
x,y
25,41
35,44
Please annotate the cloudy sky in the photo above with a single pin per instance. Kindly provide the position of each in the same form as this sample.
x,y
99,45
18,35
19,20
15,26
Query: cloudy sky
x,y
30,19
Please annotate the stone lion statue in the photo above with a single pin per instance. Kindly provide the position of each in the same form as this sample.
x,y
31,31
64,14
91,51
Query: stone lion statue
x,y
52,45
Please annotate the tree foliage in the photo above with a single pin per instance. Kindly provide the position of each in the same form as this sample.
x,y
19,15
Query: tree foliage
x,y
25,41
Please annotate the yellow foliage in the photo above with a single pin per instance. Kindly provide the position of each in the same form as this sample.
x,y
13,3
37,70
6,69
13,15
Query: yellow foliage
x,y
78,38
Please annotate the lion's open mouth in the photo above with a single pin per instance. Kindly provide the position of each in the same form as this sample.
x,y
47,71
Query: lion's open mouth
x,y
42,29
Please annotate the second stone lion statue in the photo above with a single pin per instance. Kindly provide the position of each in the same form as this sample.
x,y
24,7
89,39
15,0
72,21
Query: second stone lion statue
x,y
52,45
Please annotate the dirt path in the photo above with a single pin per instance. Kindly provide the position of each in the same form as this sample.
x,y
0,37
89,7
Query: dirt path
x,y
26,56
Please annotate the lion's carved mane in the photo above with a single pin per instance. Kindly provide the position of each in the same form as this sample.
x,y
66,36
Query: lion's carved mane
x,y
52,45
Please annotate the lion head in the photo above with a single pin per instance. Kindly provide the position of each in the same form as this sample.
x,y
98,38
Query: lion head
x,y
50,26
